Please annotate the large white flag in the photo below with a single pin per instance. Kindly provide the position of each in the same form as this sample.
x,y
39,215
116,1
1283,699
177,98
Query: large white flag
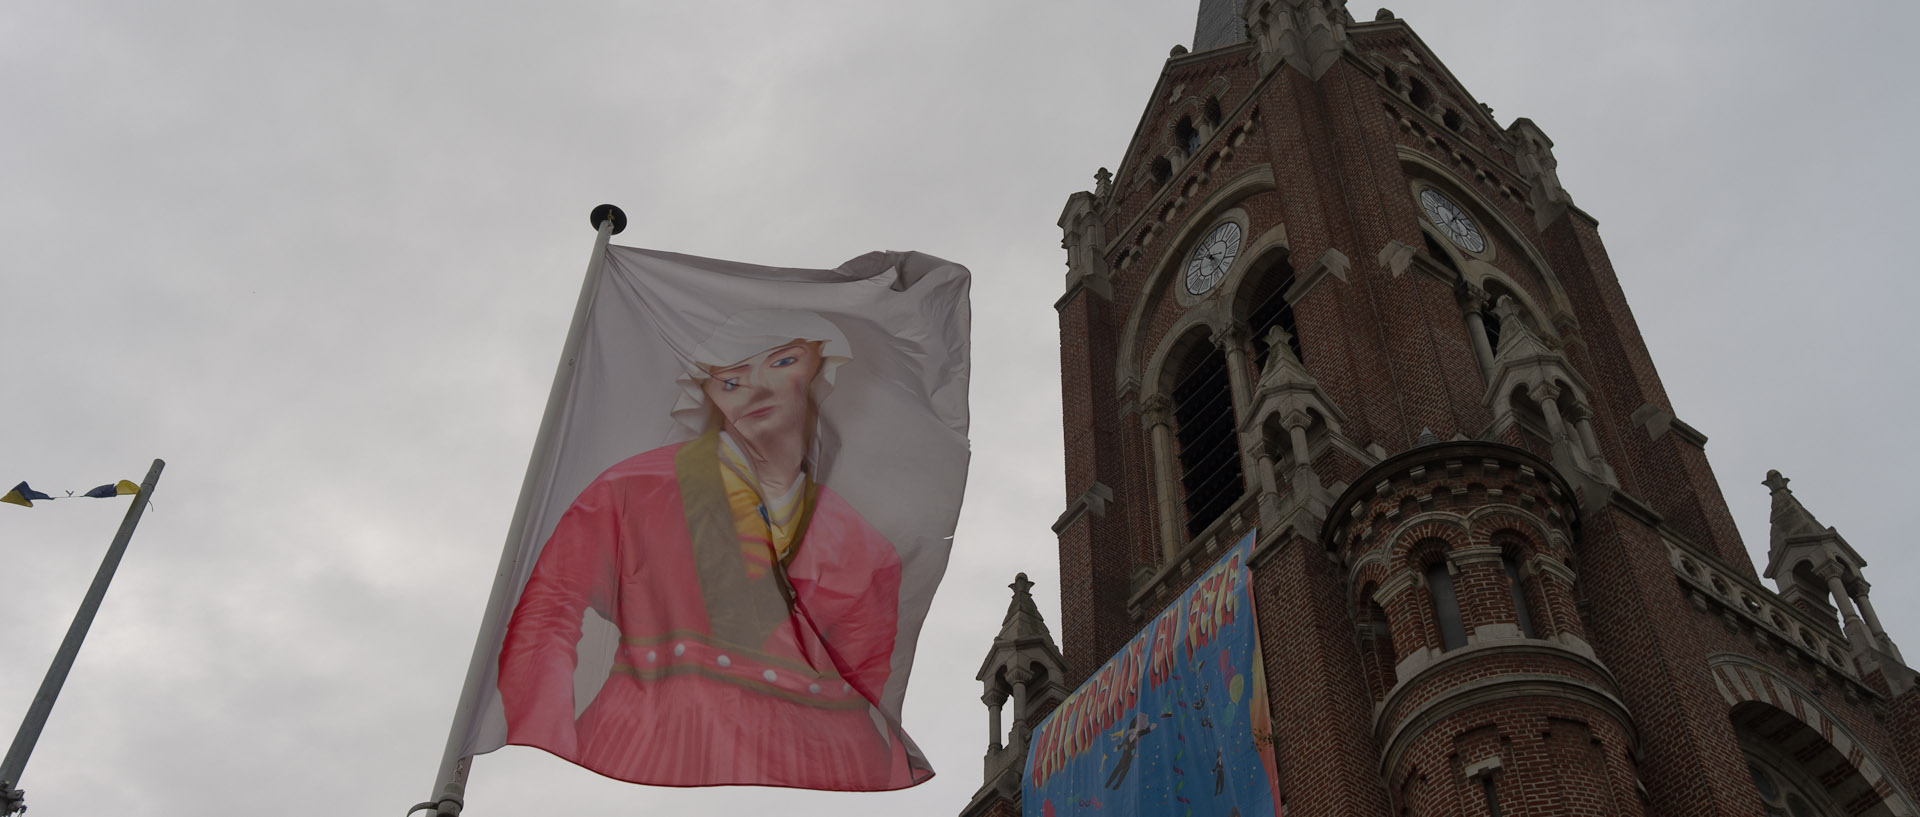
x,y
740,526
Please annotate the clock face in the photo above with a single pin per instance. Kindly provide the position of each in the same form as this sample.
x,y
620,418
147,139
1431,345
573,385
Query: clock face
x,y
1212,258
1452,220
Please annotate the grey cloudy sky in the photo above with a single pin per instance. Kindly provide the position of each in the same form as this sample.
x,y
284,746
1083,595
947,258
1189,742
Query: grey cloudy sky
x,y
320,257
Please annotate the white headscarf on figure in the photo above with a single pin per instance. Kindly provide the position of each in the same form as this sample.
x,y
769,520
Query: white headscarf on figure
x,y
747,334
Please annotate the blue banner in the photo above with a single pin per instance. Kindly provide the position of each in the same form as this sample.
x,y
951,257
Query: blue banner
x,y
1176,723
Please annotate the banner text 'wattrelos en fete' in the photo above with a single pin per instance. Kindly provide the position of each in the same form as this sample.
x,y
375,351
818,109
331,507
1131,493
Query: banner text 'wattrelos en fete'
x,y
1176,717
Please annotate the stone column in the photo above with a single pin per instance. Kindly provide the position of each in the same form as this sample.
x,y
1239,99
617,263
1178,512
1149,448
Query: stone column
x,y
1017,738
1296,424
1866,610
1158,412
1548,395
1583,429
1840,597
1472,300
1305,490
993,700
1233,342
1873,620
1269,486
1850,619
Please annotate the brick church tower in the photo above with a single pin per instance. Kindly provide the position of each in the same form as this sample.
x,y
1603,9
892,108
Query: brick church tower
x,y
1326,295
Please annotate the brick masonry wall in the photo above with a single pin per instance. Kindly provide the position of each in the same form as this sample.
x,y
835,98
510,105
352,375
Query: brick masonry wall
x,y
1393,355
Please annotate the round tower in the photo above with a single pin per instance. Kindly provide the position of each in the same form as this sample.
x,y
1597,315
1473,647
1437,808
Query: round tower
x,y
1486,694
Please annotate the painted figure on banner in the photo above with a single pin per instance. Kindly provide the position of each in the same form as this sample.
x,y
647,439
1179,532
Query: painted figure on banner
x,y
1176,722
766,660
1128,744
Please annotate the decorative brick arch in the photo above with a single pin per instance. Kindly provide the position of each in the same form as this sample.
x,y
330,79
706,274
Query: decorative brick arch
x,y
1371,568
1742,680
1444,526
1487,523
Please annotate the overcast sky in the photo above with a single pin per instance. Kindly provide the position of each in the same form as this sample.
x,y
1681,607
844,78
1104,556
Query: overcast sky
x,y
321,256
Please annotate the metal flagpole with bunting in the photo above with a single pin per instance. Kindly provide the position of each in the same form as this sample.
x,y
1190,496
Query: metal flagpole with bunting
x,y
13,799
450,786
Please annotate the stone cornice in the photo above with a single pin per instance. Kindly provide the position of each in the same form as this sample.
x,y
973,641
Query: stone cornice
x,y
1774,623
1474,453
1160,588
1092,500
1493,690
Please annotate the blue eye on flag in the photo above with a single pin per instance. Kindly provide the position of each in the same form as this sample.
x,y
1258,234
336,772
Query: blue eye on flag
x,y
23,496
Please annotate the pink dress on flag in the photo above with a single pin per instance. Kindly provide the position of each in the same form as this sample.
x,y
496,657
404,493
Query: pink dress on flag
x,y
722,675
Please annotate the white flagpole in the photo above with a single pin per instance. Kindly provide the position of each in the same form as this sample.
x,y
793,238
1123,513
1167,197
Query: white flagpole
x,y
450,787
12,799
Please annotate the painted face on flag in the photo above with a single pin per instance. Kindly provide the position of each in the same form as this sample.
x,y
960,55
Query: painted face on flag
x,y
765,397
743,375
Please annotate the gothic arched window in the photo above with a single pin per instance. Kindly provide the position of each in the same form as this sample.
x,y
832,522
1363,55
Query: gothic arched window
x,y
1518,590
1265,307
1375,634
1439,254
1186,136
1204,426
1446,607
1490,324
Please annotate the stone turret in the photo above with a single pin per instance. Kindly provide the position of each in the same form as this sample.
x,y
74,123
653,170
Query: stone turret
x,y
1023,667
1219,23
1812,563
1306,34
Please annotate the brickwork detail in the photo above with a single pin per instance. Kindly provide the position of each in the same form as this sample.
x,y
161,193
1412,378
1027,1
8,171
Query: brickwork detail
x,y
1489,569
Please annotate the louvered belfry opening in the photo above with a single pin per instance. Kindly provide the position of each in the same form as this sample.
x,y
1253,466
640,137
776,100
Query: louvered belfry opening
x,y
1204,426
1266,307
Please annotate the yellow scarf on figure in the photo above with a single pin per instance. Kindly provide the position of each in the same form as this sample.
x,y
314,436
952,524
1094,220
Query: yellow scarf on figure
x,y
769,529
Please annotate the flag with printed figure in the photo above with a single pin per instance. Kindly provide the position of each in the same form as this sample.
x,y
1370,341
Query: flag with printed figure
x,y
739,529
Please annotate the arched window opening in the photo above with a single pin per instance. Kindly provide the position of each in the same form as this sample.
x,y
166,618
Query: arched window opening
x,y
1517,589
1265,306
1451,119
1492,795
1438,254
1418,94
1204,427
1813,596
1187,136
1796,771
1212,111
1162,170
1530,418
1446,607
1490,323
1376,641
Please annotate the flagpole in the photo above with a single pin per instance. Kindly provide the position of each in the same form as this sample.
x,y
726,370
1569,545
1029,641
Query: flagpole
x,y
450,786
12,799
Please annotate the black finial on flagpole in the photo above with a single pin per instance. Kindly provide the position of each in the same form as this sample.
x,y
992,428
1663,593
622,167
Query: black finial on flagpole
x,y
608,211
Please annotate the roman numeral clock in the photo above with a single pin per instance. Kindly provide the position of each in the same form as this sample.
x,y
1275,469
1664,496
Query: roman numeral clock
x,y
1452,220
1212,258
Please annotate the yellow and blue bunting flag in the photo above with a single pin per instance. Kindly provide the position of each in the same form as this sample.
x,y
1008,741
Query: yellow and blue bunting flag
x,y
121,488
24,496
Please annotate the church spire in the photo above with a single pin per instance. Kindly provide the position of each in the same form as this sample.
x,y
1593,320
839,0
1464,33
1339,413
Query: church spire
x,y
1788,518
1221,23
1023,624
1024,669
1795,536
